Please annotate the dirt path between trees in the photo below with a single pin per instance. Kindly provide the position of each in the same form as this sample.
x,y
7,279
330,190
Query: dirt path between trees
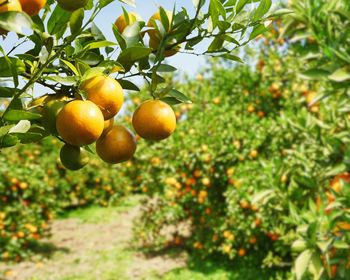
x,y
92,250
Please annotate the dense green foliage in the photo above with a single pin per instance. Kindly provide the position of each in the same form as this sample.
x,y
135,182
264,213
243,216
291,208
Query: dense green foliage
x,y
248,172
35,187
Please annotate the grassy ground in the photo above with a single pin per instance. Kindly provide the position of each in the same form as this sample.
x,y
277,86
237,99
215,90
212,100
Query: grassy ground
x,y
94,243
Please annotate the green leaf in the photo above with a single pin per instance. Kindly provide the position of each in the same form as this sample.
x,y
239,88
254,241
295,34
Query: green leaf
x,y
67,81
232,57
131,34
171,100
104,3
6,91
18,115
240,5
15,21
262,9
340,75
93,72
22,127
29,137
302,263
5,129
217,43
257,30
179,96
99,44
76,21
315,73
128,85
15,63
316,267
129,2
71,67
166,68
280,12
133,54
121,40
262,196
8,141
58,21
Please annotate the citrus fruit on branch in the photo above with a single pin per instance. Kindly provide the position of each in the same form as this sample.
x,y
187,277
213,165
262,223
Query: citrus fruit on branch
x,y
106,93
80,123
32,7
157,34
118,144
9,6
73,157
154,120
122,22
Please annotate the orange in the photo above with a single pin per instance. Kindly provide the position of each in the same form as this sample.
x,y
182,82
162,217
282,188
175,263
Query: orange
x,y
11,5
117,145
73,157
253,154
343,226
32,7
241,252
154,120
121,23
339,180
80,123
71,6
8,6
106,93
155,36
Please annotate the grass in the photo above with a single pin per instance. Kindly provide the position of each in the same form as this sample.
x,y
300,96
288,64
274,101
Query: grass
x,y
114,262
97,214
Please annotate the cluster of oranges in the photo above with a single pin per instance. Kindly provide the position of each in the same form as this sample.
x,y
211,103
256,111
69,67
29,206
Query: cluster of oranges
x,y
81,122
156,31
33,7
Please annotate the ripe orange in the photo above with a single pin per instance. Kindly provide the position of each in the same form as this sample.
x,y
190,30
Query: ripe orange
x,y
253,154
73,157
71,6
121,23
11,5
80,123
32,7
117,145
154,120
241,252
339,180
106,93
8,6
155,36
252,240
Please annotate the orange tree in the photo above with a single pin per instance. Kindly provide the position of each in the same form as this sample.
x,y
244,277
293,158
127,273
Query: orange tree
x,y
35,187
86,75
316,32
264,173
